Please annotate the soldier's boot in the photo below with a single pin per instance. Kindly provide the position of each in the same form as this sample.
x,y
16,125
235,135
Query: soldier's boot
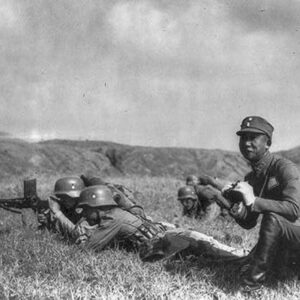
x,y
264,253
281,269
245,263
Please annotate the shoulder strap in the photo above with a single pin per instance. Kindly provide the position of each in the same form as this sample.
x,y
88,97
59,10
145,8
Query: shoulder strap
x,y
266,179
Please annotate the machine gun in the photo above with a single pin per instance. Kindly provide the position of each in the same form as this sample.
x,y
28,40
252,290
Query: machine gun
x,y
29,200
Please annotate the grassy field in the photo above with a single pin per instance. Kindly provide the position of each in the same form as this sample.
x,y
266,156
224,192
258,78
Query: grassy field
x,y
39,265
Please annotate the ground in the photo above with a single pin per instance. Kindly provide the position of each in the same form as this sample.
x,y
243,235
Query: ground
x,y
39,265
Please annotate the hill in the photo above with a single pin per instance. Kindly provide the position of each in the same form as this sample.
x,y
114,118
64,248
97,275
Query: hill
x,y
20,158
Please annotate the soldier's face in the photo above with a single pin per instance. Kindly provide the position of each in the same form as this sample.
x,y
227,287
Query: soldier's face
x,y
68,202
91,215
188,203
253,145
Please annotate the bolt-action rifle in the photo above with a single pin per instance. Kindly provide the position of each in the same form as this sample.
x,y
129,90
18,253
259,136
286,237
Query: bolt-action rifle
x,y
29,200
229,197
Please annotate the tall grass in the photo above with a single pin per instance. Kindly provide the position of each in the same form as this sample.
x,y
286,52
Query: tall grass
x,y
39,265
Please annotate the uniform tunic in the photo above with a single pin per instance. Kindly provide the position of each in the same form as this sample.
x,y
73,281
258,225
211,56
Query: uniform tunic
x,y
120,225
149,238
276,184
205,208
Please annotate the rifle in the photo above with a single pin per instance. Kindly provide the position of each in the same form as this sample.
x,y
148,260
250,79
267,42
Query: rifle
x,y
229,196
29,200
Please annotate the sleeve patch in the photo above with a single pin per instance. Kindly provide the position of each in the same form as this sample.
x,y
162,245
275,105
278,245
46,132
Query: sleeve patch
x,y
272,183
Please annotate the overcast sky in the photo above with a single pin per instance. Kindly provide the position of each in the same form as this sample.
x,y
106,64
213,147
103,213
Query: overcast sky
x,y
161,73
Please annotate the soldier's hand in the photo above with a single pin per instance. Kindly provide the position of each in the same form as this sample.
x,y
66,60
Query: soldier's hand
x,y
53,204
247,191
237,210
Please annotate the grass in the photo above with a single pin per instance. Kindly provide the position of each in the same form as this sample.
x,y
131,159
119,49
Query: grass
x,y
39,265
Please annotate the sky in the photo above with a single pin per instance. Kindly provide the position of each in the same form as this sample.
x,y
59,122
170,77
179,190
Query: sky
x,y
173,73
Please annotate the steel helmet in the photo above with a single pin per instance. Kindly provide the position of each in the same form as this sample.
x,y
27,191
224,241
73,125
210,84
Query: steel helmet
x,y
96,196
187,192
192,179
70,186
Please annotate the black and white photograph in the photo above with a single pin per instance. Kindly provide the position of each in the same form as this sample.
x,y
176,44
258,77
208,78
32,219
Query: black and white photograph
x,y
149,149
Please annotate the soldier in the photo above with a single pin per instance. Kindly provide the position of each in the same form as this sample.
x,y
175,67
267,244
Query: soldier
x,y
199,200
124,197
62,203
189,200
65,218
192,180
103,222
271,189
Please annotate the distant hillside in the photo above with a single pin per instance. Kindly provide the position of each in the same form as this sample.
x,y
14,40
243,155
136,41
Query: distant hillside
x,y
175,162
293,155
19,158
4,134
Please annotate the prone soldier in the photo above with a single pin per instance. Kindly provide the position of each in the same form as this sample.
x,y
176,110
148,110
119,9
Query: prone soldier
x,y
199,200
62,203
123,196
62,216
103,222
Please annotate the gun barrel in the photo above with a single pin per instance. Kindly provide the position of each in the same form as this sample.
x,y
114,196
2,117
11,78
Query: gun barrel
x,y
10,200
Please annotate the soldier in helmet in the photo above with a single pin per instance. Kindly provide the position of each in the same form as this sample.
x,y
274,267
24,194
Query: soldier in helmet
x,y
61,213
208,193
189,200
62,204
123,196
103,222
198,200
192,180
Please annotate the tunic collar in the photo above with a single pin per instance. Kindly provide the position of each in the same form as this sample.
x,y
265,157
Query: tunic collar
x,y
262,165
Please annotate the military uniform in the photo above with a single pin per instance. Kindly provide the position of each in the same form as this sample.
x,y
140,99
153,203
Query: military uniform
x,y
206,197
62,219
275,195
276,184
124,197
118,225
152,240
61,222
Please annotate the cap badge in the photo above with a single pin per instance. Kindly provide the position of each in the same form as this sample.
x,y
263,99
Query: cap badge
x,y
73,186
248,124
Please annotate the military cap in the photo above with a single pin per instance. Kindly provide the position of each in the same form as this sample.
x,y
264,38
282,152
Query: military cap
x,y
256,124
